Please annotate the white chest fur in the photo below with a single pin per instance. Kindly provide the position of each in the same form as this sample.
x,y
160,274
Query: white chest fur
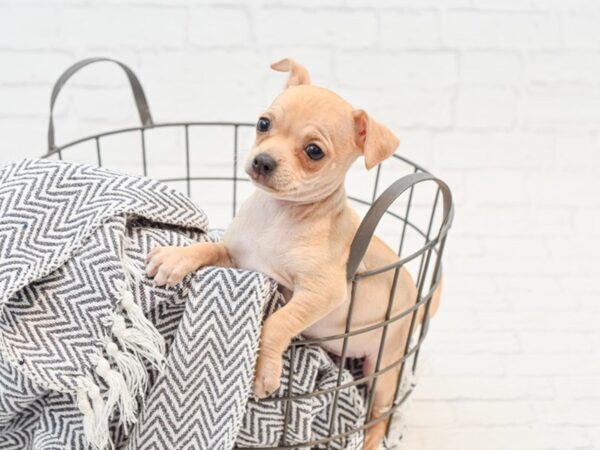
x,y
259,238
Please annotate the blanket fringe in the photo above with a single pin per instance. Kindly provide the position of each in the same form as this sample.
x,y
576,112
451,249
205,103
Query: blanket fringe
x,y
150,338
117,394
95,429
123,371
131,367
137,342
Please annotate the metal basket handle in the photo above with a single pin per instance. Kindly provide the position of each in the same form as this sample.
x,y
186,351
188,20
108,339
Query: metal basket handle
x,y
136,87
365,231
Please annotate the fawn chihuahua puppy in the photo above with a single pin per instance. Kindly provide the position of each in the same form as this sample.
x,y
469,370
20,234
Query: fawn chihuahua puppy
x,y
297,228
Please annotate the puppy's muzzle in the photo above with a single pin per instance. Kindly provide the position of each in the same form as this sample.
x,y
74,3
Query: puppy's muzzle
x,y
264,164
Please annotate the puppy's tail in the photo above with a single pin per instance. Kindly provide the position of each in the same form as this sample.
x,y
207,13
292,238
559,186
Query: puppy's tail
x,y
434,304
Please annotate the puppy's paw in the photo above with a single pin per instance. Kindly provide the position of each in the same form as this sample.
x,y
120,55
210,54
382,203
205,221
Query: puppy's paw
x,y
170,265
267,377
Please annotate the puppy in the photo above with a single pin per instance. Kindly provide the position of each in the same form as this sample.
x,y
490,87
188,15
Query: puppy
x,y
297,228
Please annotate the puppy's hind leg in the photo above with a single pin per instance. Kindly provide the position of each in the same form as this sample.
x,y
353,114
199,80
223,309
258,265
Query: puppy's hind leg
x,y
382,393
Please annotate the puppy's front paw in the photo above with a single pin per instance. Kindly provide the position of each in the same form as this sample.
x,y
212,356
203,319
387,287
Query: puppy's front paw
x,y
267,376
169,265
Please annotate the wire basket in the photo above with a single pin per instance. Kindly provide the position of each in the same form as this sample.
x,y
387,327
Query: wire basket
x,y
408,215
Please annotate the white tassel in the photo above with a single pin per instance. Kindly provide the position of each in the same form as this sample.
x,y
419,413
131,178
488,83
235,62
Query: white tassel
x,y
102,431
89,418
130,367
95,428
117,394
137,342
148,337
141,322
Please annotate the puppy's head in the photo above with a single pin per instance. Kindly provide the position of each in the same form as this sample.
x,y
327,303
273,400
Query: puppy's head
x,y
308,138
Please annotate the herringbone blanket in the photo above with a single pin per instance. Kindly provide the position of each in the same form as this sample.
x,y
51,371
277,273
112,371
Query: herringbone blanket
x,y
92,354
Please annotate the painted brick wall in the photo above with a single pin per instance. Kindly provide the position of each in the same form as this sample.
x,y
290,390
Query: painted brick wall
x,y
499,98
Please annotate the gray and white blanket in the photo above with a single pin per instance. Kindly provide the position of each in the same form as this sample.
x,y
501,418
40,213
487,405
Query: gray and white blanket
x,y
93,355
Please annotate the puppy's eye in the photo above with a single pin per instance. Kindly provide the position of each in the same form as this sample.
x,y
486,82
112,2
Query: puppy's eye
x,y
314,152
263,125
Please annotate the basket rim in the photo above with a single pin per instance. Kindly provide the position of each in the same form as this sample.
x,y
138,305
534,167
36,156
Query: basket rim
x,y
60,148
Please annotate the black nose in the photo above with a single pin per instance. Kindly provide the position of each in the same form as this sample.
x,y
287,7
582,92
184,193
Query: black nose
x,y
264,164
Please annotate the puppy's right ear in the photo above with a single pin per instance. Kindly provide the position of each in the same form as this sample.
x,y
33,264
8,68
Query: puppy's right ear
x,y
298,74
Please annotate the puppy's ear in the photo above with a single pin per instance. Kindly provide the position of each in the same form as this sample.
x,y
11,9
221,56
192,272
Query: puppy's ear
x,y
375,140
298,74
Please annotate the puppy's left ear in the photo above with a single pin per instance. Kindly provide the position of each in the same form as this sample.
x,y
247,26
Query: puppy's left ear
x,y
298,74
375,140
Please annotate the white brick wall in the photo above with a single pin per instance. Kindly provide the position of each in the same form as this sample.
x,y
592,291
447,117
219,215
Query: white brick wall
x,y
501,98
